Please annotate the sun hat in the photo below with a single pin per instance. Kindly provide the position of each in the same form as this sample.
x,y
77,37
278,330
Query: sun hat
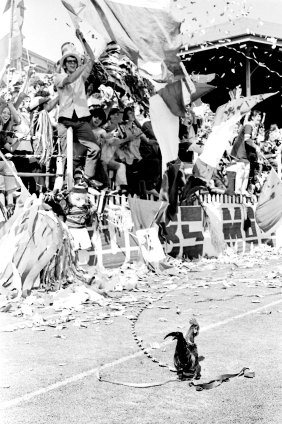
x,y
68,49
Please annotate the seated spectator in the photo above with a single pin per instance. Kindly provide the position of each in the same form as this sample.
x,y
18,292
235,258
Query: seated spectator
x,y
219,182
10,117
9,120
23,132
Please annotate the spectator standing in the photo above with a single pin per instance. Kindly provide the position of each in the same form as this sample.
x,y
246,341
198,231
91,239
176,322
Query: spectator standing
x,y
246,151
73,107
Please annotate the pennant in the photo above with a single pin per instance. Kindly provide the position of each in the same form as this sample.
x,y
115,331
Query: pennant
x,y
82,15
268,212
8,5
69,8
226,118
74,15
11,39
177,95
145,30
202,78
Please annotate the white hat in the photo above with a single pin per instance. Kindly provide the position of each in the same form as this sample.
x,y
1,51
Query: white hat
x,y
68,49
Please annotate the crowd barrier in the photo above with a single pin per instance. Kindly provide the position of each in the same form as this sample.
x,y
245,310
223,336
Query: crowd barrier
x,y
187,236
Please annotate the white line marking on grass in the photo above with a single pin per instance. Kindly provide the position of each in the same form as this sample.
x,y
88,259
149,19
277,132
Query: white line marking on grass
x,y
82,375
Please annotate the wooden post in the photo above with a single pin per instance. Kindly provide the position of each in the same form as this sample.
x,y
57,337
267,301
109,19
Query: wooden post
x,y
59,181
69,158
248,73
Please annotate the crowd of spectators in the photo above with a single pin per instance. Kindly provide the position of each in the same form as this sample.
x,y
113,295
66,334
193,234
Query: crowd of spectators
x,y
114,144
111,149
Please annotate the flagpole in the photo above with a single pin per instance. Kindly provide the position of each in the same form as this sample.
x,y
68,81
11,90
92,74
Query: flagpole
x,y
11,29
10,40
28,58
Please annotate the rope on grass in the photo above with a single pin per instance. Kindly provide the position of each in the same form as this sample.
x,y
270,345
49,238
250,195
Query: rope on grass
x,y
212,384
139,341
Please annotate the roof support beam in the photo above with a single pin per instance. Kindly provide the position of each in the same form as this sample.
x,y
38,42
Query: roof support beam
x,y
248,73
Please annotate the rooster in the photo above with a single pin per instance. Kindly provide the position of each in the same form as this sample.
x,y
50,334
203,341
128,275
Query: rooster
x,y
186,360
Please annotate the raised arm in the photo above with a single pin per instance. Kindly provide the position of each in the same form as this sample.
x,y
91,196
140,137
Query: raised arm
x,y
16,117
23,91
4,70
51,104
88,51
85,45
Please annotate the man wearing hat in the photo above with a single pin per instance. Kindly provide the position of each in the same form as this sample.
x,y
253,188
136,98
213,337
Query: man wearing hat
x,y
73,107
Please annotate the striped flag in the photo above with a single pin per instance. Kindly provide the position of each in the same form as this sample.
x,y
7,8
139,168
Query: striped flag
x,y
11,39
226,117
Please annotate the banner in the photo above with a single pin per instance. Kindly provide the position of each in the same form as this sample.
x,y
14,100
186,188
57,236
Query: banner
x,y
150,245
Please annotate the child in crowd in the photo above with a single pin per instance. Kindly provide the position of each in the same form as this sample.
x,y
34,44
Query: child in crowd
x,y
109,143
78,216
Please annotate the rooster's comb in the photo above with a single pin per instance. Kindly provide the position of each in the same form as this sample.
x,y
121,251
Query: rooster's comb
x,y
193,321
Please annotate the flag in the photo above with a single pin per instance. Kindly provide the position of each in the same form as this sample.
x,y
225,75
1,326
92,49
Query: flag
x,y
81,15
11,39
268,212
239,106
145,30
226,117
165,109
